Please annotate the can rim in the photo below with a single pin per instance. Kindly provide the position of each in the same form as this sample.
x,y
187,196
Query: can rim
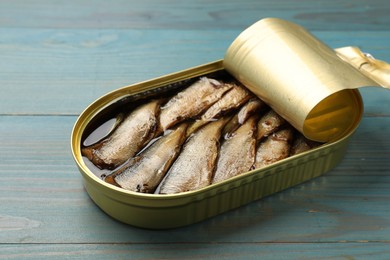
x,y
95,107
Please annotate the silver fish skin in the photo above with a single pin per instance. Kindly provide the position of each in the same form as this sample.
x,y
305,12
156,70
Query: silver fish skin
x,y
195,164
237,154
253,106
137,129
232,99
268,124
145,172
191,102
274,148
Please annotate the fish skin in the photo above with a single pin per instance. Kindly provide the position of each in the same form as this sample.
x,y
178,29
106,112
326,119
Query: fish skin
x,y
274,148
137,129
302,144
195,164
253,106
145,172
268,124
299,145
237,154
191,102
231,100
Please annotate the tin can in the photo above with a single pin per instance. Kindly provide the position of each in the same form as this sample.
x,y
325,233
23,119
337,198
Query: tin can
x,y
155,211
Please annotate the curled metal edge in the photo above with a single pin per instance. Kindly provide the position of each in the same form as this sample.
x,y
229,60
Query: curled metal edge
x,y
377,70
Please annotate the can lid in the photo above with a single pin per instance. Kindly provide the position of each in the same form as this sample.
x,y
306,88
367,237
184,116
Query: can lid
x,y
377,70
300,77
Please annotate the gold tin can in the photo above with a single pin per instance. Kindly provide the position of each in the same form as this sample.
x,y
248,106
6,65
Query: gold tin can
x,y
169,211
155,211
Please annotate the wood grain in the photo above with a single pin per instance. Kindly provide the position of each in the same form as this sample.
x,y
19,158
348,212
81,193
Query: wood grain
x,y
72,68
41,192
331,15
343,250
58,56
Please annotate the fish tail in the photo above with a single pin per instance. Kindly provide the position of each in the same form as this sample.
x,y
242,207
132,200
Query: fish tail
x,y
111,180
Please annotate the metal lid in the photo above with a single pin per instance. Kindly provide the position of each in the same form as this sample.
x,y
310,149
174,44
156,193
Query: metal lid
x,y
299,76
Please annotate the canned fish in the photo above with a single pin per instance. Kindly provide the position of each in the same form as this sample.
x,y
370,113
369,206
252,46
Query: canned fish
x,y
187,146
177,209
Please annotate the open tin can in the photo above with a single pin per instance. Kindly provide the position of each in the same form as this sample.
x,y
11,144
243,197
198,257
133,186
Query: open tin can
x,y
310,85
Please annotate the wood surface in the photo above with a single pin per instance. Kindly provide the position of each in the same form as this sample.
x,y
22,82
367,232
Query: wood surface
x,y
56,57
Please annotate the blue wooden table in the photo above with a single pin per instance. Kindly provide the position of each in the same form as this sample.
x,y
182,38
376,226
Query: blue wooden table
x,y
58,56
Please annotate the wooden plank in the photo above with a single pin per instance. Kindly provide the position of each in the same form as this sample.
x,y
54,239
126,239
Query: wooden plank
x,y
360,250
222,14
72,68
42,199
58,56
45,71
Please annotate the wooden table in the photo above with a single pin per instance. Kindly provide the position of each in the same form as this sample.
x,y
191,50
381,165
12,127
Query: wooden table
x,y
58,56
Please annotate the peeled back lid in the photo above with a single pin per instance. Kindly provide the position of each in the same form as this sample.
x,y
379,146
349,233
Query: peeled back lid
x,y
300,77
